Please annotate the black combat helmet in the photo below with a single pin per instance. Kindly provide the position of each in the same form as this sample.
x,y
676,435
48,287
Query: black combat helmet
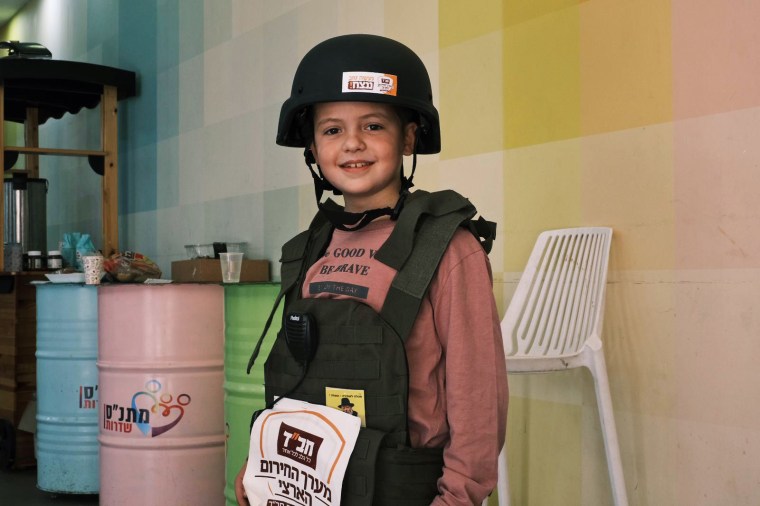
x,y
361,68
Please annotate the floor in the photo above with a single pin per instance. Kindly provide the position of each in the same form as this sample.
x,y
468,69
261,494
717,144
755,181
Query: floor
x,y
19,488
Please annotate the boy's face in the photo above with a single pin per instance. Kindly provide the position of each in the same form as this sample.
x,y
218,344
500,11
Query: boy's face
x,y
359,147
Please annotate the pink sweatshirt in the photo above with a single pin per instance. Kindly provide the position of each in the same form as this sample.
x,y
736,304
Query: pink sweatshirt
x,y
458,383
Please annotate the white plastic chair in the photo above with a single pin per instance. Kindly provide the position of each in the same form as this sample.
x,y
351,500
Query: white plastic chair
x,y
554,323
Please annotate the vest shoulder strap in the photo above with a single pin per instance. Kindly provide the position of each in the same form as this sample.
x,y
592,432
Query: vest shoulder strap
x,y
291,259
415,248
419,206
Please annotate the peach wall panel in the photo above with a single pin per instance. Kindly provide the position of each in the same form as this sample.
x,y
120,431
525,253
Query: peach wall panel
x,y
625,64
717,347
716,190
627,184
716,465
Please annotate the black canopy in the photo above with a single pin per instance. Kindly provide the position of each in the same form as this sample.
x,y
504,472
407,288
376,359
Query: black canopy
x,y
56,87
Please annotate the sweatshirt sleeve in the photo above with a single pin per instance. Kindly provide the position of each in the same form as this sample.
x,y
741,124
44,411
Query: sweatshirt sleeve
x,y
468,327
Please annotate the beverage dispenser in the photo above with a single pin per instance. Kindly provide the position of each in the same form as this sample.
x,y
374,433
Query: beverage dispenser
x,y
25,217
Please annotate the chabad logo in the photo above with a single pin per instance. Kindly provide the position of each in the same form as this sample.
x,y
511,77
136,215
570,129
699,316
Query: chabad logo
x,y
298,445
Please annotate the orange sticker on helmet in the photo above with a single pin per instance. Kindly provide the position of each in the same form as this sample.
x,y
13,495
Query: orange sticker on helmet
x,y
369,82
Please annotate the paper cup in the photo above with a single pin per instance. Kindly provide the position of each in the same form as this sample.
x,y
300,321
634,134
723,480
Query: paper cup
x,y
93,269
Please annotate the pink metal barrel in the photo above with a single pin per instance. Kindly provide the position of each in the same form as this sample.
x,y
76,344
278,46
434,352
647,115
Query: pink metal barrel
x,y
160,369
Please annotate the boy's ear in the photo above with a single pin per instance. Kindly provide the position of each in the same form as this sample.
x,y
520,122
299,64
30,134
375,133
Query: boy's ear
x,y
410,133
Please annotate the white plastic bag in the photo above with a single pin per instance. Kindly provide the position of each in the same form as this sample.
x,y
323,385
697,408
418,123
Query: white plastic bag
x,y
299,453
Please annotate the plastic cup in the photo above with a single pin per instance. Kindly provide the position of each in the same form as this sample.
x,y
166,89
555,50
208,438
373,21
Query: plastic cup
x,y
93,269
231,263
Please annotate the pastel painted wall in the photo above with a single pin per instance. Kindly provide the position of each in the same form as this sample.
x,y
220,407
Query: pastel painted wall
x,y
636,115
639,116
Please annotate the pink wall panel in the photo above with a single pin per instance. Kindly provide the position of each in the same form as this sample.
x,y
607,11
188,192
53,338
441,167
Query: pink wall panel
x,y
716,62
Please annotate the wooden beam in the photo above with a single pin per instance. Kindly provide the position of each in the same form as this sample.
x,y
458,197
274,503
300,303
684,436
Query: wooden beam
x,y
2,168
109,145
32,139
54,151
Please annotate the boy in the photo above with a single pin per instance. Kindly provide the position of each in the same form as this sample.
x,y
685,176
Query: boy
x,y
359,104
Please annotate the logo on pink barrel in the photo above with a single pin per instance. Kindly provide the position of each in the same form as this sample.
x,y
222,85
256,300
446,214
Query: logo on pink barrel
x,y
152,411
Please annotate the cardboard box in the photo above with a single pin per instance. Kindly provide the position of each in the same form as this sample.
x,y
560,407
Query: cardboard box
x,y
28,420
208,270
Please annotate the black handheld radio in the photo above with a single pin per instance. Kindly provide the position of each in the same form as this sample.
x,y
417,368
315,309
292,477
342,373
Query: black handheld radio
x,y
301,336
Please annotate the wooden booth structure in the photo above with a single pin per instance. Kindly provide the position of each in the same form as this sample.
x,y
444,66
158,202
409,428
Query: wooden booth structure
x,y
33,91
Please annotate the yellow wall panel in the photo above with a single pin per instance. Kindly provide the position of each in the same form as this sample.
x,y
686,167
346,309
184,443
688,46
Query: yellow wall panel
x,y
461,21
471,97
542,190
541,79
519,11
538,427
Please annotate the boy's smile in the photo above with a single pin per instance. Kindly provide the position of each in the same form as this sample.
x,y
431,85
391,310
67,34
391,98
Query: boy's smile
x,y
359,146
354,165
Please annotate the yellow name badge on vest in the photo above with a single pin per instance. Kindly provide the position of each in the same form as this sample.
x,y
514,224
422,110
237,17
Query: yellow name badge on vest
x,y
347,400
298,454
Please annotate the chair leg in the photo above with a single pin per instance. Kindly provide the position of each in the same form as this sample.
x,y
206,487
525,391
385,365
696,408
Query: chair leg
x,y
606,417
502,486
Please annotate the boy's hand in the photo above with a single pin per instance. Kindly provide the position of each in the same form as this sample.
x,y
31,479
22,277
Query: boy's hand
x,y
240,495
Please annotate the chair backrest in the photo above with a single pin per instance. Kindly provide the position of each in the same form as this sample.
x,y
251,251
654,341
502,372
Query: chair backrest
x,y
559,300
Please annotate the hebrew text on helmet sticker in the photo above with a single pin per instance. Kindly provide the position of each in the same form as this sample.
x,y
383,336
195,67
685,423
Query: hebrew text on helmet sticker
x,y
369,82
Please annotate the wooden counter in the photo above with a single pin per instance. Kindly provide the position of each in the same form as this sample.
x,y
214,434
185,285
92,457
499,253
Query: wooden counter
x,y
18,370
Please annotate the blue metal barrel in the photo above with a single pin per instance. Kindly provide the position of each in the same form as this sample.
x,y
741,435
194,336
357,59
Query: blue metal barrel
x,y
67,389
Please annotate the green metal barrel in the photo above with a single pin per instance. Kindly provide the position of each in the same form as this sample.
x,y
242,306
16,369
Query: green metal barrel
x,y
246,309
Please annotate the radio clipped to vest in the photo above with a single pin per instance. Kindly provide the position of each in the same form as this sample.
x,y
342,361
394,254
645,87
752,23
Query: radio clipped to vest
x,y
301,336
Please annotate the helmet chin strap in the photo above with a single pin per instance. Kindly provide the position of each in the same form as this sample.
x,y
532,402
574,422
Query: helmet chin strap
x,y
337,215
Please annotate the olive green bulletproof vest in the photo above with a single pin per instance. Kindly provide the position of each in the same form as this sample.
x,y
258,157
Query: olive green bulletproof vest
x,y
360,349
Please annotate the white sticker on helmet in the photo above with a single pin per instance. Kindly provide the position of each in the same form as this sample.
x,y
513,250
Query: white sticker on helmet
x,y
369,82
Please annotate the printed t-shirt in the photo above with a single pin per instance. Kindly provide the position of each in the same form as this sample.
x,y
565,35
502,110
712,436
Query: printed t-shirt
x,y
457,372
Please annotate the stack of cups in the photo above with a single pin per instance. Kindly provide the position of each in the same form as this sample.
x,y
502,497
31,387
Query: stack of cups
x,y
93,269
